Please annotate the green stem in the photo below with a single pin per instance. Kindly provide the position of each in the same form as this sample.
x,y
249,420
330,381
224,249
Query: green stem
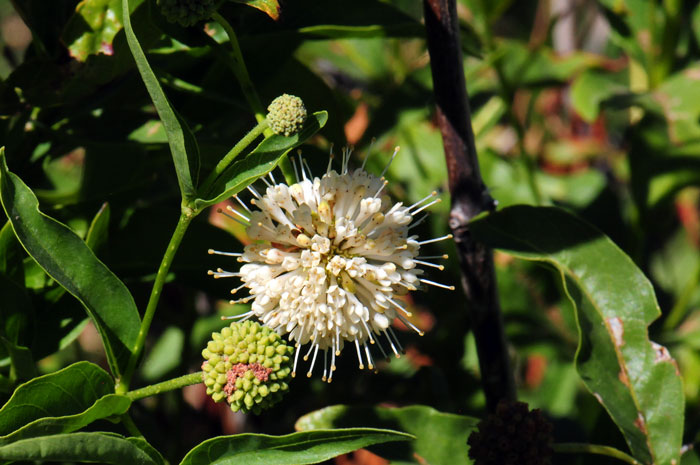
x,y
182,224
130,426
232,154
578,448
241,71
165,386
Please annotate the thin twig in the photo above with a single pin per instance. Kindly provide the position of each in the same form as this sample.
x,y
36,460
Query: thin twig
x,y
469,198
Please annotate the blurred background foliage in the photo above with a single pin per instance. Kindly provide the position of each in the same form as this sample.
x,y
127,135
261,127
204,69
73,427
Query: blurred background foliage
x,y
593,106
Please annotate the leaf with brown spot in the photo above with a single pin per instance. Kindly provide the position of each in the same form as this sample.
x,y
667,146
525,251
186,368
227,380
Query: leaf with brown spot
x,y
269,7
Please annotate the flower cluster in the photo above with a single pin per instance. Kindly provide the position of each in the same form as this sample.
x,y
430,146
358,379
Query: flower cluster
x,y
512,436
331,257
286,115
248,365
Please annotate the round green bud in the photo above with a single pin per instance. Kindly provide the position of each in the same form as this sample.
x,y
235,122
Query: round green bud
x,y
187,12
286,115
247,365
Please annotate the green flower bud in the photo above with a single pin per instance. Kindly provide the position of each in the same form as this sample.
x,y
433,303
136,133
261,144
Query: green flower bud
x,y
247,365
286,115
187,12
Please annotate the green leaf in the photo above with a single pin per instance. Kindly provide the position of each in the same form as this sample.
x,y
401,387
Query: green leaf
x,y
165,355
269,7
634,378
92,28
590,90
79,447
338,31
259,162
441,438
107,406
99,228
21,360
67,392
183,145
68,260
291,449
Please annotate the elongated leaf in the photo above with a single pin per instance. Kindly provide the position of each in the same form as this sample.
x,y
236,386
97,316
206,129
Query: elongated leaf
x,y
183,145
634,378
259,162
107,406
441,438
67,392
68,260
21,360
92,27
292,449
99,228
79,447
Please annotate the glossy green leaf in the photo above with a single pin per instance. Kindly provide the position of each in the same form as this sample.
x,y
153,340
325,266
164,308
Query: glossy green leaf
x,y
269,7
634,378
441,438
99,228
589,91
165,354
291,449
92,27
68,260
67,392
104,407
259,162
79,447
183,145
337,31
21,360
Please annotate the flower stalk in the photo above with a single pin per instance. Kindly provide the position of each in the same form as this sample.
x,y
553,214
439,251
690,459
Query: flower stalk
x,y
186,218
580,448
165,386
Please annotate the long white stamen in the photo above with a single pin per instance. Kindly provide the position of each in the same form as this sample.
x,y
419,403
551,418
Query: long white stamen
x,y
219,273
369,152
398,343
359,355
254,192
296,358
233,291
325,365
369,333
433,257
433,265
337,341
427,197
370,362
296,173
427,206
392,301
396,150
308,168
272,177
231,209
242,300
313,341
381,349
391,343
409,324
437,239
241,222
240,315
242,203
228,254
267,183
380,189
417,222
301,166
313,361
330,160
433,283
332,367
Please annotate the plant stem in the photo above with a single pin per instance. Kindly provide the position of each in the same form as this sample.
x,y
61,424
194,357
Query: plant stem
x,y
675,316
241,71
185,218
232,154
165,386
469,198
130,426
578,448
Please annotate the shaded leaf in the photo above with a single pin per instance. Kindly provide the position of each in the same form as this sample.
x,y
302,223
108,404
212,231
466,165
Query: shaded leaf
x,y
92,27
589,91
165,354
80,447
441,438
634,378
65,393
291,449
269,7
68,260
21,360
259,162
99,228
183,145
104,407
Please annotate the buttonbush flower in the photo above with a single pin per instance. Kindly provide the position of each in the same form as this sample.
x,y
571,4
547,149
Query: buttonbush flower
x,y
248,365
331,257
286,115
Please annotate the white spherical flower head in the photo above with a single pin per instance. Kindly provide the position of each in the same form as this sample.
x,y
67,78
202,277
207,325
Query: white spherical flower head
x,y
330,257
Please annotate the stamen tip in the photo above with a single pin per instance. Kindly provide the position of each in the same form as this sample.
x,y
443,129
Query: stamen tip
x,y
441,267
306,358
421,333
337,353
450,236
370,367
308,375
324,379
210,251
210,272
445,256
452,288
294,374
362,367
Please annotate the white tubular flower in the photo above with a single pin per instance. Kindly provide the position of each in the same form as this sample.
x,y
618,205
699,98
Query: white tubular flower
x,y
330,258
